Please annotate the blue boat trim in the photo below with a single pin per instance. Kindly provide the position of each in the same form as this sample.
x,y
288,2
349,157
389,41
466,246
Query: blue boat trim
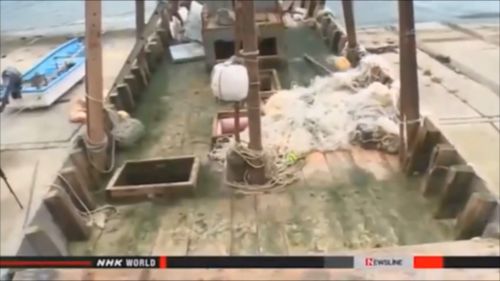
x,y
74,50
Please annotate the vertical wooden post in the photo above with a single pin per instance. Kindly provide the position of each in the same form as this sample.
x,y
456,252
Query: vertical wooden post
x,y
95,121
352,53
250,53
311,8
409,110
237,46
139,26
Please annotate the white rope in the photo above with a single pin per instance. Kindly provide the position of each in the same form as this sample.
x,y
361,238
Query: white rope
x,y
279,176
99,147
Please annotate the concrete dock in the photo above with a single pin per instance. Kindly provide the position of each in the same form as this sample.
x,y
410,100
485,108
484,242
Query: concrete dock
x,y
42,136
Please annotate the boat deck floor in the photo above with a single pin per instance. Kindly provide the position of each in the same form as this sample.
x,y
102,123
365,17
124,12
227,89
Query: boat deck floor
x,y
344,200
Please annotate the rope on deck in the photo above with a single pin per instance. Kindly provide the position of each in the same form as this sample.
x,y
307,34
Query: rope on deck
x,y
279,173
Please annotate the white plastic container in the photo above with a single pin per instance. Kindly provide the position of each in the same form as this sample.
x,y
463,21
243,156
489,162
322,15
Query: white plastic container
x,y
230,82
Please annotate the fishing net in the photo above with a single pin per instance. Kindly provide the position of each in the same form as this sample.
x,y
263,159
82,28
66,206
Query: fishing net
x,y
355,107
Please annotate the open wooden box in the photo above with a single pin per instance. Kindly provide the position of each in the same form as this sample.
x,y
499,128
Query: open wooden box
x,y
167,176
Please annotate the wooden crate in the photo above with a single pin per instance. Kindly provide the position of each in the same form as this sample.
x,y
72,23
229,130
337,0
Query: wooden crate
x,y
164,176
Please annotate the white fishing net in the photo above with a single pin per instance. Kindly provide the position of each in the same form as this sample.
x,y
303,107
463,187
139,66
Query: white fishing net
x,y
358,106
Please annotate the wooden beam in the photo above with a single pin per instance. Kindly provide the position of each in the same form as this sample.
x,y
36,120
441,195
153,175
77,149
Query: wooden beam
x,y
95,120
80,161
248,35
441,157
410,111
457,191
475,216
139,32
420,153
42,242
79,190
66,215
126,97
352,53
311,8
148,29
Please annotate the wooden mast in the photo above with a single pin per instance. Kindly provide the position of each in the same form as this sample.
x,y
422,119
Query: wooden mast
x,y
96,135
237,46
139,26
409,106
352,54
250,53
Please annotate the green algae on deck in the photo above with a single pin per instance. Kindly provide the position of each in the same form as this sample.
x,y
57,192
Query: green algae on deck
x,y
177,112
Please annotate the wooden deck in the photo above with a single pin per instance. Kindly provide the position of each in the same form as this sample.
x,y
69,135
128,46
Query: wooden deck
x,y
344,200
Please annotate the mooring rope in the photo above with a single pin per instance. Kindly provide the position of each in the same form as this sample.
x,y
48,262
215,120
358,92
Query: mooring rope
x,y
87,213
279,176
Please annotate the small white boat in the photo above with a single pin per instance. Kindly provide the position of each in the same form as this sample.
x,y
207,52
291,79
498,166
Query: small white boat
x,y
52,76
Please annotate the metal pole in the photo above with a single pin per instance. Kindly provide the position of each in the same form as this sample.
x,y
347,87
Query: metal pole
x,y
409,104
251,50
95,119
4,177
352,54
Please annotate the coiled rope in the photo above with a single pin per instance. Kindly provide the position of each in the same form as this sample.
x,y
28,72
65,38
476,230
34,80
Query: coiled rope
x,y
279,173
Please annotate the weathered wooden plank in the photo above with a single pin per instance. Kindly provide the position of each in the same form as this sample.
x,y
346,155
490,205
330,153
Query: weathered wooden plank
x,y
126,97
153,65
66,215
80,161
434,181
42,242
456,192
77,188
211,229
140,77
475,216
313,227
443,154
340,165
316,171
174,228
148,29
163,34
116,101
131,231
273,212
133,85
244,240
371,161
419,156
370,221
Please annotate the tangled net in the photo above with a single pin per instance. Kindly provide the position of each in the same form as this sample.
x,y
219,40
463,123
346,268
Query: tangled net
x,y
355,107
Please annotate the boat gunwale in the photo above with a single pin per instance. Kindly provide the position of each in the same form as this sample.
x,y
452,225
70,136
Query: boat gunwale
x,y
79,62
